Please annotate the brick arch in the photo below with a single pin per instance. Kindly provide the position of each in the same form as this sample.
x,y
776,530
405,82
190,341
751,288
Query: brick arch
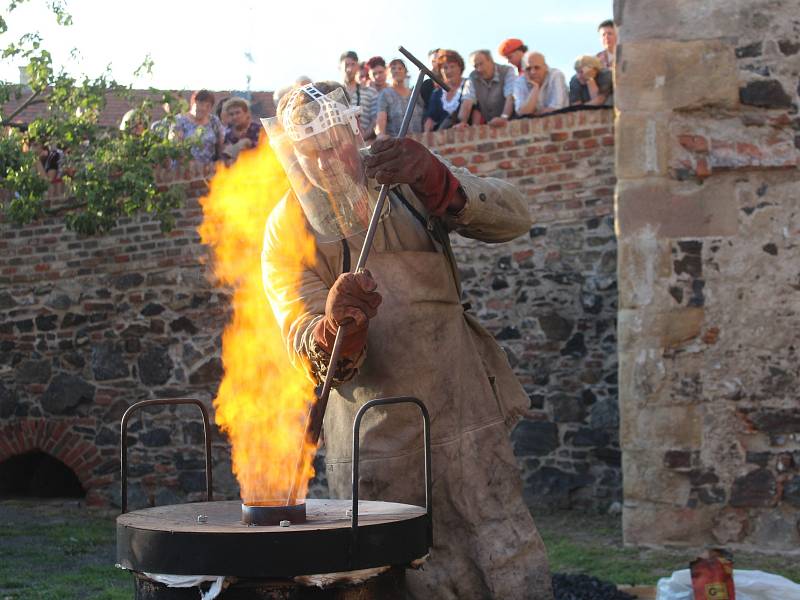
x,y
56,439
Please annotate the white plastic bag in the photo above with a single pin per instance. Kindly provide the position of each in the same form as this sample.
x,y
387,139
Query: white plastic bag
x,y
749,585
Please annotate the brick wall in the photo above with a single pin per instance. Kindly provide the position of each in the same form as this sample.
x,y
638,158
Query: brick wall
x,y
707,207
90,325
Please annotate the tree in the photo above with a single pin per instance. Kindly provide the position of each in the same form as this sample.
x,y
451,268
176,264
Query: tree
x,y
107,173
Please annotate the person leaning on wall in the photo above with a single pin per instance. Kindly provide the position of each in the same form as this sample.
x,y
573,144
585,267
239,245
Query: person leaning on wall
x,y
443,109
592,85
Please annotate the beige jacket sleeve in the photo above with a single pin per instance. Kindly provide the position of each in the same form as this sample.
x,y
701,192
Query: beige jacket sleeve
x,y
495,211
297,292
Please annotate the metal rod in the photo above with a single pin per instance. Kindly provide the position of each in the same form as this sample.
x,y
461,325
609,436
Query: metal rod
x,y
317,411
124,442
417,63
426,431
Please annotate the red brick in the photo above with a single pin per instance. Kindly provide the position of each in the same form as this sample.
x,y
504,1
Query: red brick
x,y
693,143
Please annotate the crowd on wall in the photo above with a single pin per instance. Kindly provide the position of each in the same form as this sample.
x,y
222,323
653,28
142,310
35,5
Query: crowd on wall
x,y
492,94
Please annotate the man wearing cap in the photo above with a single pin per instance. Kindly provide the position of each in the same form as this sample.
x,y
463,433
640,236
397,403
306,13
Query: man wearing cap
x,y
513,49
405,333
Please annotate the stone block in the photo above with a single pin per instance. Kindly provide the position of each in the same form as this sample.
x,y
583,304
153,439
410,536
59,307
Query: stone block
x,y
665,330
659,75
643,261
651,523
756,489
775,530
645,479
640,145
731,525
660,208
765,93
691,20
659,427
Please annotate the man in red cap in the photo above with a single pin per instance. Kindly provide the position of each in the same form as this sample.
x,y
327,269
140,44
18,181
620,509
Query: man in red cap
x,y
513,49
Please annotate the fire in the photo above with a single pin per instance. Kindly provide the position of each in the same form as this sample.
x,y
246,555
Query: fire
x,y
262,400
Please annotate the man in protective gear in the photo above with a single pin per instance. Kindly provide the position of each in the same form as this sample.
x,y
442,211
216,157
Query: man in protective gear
x,y
406,334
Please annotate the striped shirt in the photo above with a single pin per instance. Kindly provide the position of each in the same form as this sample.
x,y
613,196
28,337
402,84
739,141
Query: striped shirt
x,y
367,99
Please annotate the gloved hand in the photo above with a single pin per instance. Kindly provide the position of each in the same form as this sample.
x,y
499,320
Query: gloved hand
x,y
352,302
407,161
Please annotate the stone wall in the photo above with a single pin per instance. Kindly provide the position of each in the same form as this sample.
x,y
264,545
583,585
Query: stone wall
x,y
90,325
550,298
708,216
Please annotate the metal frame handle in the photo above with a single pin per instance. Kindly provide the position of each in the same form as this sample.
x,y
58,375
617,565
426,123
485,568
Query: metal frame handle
x,y
124,441
426,428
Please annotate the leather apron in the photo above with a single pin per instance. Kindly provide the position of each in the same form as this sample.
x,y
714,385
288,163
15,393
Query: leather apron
x,y
420,344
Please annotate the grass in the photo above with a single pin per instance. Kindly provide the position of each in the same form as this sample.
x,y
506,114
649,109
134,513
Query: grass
x,y
54,551
580,542
58,551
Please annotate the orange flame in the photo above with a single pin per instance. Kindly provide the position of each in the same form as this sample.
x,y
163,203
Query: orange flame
x,y
262,400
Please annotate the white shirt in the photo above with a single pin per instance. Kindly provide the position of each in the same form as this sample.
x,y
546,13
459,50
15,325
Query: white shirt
x,y
553,94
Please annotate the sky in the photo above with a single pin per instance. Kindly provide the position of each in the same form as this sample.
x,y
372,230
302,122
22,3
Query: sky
x,y
219,45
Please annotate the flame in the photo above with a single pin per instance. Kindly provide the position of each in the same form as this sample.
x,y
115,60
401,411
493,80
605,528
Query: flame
x,y
262,401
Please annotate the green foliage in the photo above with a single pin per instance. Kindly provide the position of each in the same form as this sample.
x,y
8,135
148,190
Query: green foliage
x,y
107,173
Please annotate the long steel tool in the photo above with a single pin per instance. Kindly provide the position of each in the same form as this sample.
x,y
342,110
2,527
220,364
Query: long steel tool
x,y
316,413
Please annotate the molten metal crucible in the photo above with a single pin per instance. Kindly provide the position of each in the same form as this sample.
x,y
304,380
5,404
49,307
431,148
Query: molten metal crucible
x,y
273,513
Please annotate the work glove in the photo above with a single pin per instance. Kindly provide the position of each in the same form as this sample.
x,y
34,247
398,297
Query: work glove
x,y
352,302
405,160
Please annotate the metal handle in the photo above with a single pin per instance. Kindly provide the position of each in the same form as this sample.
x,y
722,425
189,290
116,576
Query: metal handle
x,y
124,441
426,428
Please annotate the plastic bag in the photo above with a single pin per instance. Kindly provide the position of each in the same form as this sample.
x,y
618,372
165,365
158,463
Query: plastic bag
x,y
750,585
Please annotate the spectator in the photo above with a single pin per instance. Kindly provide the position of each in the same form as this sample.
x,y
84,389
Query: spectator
x,y
162,126
220,112
202,127
444,106
52,162
489,90
135,122
608,37
428,86
363,75
592,85
377,72
513,50
540,90
365,97
243,131
392,103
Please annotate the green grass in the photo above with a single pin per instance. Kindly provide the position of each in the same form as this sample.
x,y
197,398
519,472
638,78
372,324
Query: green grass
x,y
52,553
579,542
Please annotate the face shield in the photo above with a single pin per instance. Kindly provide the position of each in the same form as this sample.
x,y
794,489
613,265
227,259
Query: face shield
x,y
318,143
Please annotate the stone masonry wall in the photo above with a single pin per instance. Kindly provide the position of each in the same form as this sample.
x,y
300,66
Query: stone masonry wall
x,y
708,217
90,325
